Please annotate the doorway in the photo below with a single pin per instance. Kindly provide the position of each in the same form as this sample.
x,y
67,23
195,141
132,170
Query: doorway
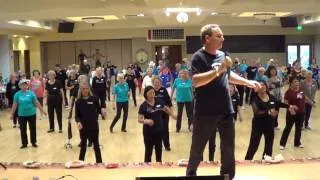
x,y
170,54
16,61
27,63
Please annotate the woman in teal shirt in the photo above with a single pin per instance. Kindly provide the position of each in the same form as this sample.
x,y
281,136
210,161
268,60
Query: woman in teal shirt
x,y
183,87
120,98
26,101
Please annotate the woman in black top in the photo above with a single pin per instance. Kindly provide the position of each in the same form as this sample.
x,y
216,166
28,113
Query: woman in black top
x,y
264,108
11,89
54,94
99,87
163,94
138,72
150,115
132,82
87,109
72,85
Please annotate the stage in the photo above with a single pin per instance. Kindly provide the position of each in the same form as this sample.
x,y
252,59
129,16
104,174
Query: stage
x,y
245,171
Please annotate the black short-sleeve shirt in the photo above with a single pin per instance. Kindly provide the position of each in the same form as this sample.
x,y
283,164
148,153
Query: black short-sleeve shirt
x,y
75,84
53,89
251,72
213,98
163,95
152,112
130,79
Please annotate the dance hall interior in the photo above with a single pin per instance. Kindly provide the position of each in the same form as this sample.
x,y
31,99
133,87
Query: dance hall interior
x,y
159,89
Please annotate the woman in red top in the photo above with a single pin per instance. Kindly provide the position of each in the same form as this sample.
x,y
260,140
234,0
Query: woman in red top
x,y
37,85
294,96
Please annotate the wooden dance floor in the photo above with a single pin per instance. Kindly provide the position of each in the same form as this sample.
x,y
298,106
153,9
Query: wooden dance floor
x,y
128,147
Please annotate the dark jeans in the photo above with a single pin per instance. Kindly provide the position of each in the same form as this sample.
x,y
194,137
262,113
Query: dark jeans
x,y
166,137
31,120
203,126
40,99
65,95
15,116
102,98
276,124
108,89
241,93
133,92
189,110
290,120
92,136
151,140
124,106
261,126
308,109
212,146
54,104
247,91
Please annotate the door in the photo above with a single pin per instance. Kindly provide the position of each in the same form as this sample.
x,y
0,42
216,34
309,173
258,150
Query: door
x,y
16,63
27,63
170,54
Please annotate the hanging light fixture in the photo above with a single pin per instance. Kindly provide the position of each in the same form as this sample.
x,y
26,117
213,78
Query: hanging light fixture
x,y
182,17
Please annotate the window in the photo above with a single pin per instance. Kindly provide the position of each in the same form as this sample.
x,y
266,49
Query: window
x,y
300,52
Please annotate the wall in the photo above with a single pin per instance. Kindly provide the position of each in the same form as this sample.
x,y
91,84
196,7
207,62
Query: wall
x,y
33,45
5,56
316,48
138,41
119,52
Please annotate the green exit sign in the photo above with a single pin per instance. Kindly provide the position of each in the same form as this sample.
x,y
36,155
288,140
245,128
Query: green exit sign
x,y
299,28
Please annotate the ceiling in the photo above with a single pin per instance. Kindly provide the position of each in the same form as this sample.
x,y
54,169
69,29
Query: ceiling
x,y
57,10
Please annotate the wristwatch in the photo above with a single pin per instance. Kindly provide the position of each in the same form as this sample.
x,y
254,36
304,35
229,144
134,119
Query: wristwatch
x,y
216,69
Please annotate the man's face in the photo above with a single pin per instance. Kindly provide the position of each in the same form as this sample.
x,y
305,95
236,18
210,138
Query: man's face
x,y
217,39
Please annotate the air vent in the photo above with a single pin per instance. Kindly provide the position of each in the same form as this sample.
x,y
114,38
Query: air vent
x,y
165,35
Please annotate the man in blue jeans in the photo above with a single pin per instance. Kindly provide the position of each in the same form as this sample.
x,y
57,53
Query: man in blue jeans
x,y
213,107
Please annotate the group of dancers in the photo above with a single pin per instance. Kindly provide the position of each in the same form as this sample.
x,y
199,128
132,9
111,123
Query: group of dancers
x,y
211,88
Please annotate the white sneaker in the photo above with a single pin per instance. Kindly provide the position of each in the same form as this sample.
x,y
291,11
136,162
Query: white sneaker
x,y
281,148
300,146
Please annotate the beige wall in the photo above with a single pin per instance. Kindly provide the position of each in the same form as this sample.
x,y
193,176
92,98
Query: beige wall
x,y
33,45
119,52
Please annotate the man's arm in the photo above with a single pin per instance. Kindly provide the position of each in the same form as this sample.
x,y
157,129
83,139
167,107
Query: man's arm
x,y
204,78
236,79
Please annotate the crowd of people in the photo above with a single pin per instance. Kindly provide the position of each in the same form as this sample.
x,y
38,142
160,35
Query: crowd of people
x,y
195,86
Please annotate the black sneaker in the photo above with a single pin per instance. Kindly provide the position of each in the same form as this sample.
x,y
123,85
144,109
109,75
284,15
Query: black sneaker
x,y
124,130
34,145
50,131
167,148
23,146
111,130
60,131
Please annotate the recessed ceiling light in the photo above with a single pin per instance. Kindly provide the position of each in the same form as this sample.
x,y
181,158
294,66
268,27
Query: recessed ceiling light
x,y
15,35
27,37
251,14
140,15
214,13
106,18
199,12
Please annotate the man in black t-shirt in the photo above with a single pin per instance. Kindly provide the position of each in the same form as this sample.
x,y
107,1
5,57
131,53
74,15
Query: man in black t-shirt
x,y
85,68
251,72
61,77
81,57
213,107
